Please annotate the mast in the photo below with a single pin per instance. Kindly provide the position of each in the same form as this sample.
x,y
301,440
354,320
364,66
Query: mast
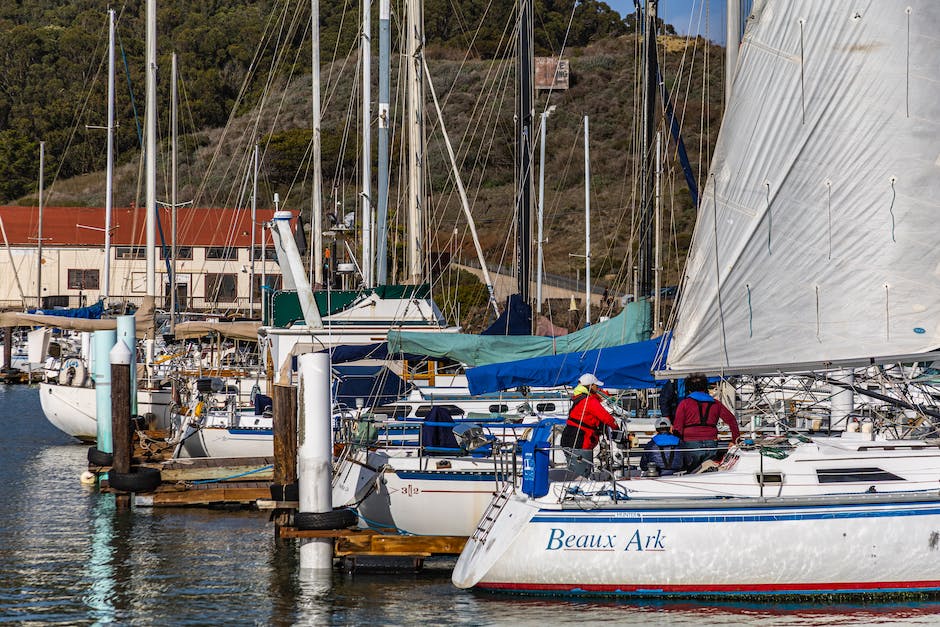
x,y
645,253
541,213
415,38
657,235
381,222
150,157
254,227
524,146
365,55
109,177
173,205
316,254
587,224
42,165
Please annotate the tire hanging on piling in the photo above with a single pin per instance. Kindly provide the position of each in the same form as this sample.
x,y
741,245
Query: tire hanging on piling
x,y
99,458
321,521
141,479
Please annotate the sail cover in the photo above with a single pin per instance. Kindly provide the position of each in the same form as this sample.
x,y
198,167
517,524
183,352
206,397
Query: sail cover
x,y
630,325
623,367
816,238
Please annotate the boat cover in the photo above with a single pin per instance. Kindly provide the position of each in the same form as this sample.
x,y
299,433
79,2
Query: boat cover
x,y
628,366
630,326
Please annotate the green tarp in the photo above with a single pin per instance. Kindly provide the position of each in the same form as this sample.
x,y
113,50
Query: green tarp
x,y
285,305
631,325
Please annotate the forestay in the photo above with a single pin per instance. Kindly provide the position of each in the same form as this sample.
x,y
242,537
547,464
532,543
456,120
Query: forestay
x,y
816,239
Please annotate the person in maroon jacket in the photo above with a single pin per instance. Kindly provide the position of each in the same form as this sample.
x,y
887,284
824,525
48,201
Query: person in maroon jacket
x,y
696,421
587,419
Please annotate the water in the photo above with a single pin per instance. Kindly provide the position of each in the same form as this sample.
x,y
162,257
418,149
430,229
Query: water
x,y
67,557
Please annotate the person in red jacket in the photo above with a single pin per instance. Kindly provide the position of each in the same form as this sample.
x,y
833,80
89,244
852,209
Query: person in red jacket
x,y
696,421
587,419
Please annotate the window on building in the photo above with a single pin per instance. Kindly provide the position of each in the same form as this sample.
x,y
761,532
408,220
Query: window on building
x,y
221,288
182,252
273,281
269,253
221,252
130,252
83,279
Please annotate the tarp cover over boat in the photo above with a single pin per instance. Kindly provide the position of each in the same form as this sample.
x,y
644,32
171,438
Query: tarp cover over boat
x,y
816,237
143,317
623,367
91,312
630,326
240,330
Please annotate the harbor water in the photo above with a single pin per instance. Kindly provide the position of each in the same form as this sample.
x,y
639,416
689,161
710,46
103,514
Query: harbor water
x,y
68,557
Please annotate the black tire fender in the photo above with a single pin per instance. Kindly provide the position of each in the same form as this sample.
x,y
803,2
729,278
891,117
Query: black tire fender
x,y
140,479
336,519
99,458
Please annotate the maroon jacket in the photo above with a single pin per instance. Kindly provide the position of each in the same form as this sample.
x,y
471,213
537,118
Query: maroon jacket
x,y
692,413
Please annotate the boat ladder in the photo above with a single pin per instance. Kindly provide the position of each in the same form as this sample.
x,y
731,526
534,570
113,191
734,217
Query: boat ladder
x,y
492,512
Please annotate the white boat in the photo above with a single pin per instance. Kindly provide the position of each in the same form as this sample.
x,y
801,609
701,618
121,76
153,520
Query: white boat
x,y
814,251
71,409
835,516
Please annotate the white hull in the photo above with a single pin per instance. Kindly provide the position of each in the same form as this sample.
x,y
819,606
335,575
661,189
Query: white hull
x,y
850,517
72,409
224,442
415,496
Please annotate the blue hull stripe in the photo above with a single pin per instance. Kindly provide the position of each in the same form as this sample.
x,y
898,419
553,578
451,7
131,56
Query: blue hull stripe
x,y
251,431
633,517
446,476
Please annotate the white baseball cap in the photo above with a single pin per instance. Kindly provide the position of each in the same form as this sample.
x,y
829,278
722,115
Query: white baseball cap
x,y
589,379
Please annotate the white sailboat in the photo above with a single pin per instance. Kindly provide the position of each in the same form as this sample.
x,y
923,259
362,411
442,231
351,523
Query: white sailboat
x,y
814,248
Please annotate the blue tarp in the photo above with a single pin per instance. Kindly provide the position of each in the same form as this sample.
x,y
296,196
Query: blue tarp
x,y
91,312
516,318
374,384
628,366
355,352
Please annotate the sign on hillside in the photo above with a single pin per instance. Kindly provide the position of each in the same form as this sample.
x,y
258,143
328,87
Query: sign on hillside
x,y
551,73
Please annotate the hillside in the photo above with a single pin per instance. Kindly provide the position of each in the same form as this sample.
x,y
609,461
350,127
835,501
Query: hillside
x,y
476,95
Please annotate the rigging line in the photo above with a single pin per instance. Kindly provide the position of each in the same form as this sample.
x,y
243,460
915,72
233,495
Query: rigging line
x,y
770,219
721,312
802,75
817,314
894,195
907,68
829,210
750,313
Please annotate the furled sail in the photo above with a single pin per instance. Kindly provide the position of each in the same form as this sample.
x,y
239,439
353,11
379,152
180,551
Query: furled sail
x,y
631,325
816,237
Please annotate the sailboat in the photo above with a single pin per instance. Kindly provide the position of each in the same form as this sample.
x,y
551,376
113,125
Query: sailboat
x,y
813,251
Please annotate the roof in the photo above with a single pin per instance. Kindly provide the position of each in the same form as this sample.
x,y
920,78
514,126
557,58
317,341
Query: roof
x,y
84,226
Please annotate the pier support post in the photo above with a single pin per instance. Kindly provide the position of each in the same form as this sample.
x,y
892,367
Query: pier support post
x,y
7,348
102,343
121,432
315,455
285,451
127,331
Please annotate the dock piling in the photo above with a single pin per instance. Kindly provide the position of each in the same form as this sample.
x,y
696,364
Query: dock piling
x,y
315,455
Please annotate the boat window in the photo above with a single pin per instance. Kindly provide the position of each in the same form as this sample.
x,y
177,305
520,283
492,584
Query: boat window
x,y
770,478
424,410
392,411
545,407
499,409
860,475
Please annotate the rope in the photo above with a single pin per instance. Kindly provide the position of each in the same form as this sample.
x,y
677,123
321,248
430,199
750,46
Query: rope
x,y
243,474
894,195
750,313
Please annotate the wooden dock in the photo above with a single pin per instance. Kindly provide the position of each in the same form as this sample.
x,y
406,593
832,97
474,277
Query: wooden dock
x,y
351,545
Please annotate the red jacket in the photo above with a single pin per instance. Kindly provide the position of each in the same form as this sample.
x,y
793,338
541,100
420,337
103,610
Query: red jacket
x,y
692,413
586,420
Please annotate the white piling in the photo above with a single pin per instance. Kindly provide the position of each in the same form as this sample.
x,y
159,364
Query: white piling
x,y
315,454
843,401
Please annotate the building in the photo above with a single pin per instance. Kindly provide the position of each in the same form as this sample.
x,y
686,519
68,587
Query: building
x,y
214,265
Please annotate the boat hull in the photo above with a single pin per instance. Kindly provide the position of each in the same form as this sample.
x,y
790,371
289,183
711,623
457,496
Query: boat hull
x,y
224,442
71,409
794,547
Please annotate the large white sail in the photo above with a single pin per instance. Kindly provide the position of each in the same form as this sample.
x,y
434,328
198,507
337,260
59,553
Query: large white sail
x,y
818,234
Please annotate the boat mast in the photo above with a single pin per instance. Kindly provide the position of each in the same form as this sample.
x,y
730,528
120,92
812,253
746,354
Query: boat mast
x,y
316,254
150,157
173,206
415,108
42,165
541,212
645,253
365,55
381,222
109,176
657,235
587,224
254,227
525,114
